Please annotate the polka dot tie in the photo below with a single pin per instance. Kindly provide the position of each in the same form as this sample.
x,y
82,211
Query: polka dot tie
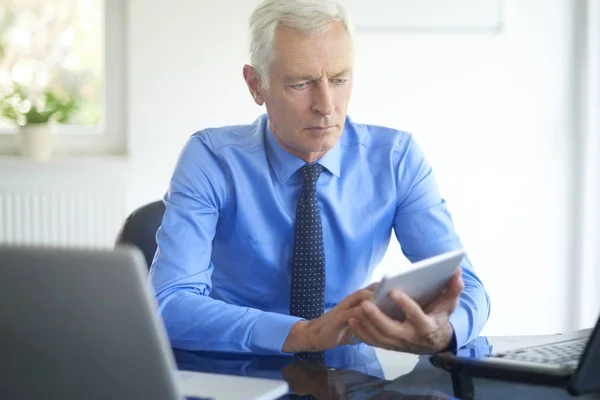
x,y
308,264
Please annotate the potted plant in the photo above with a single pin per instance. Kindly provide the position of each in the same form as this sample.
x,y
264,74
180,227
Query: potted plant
x,y
35,117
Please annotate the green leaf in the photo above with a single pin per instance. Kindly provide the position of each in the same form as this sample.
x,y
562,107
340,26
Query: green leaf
x,y
56,106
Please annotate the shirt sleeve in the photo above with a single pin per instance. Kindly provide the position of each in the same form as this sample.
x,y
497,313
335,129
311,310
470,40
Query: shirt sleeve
x,y
180,275
424,228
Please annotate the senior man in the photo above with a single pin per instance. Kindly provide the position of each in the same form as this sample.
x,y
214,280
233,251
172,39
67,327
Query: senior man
x,y
272,230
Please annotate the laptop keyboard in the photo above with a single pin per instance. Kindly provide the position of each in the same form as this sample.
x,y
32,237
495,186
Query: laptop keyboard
x,y
566,353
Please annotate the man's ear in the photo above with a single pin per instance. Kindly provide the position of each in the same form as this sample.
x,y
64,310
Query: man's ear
x,y
253,81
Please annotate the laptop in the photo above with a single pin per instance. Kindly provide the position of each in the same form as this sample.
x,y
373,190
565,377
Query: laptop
x,y
82,324
570,360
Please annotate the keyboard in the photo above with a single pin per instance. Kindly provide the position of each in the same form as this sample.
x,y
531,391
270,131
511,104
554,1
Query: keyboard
x,y
561,353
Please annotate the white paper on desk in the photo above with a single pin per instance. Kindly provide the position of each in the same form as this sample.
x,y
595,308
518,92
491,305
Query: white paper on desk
x,y
228,387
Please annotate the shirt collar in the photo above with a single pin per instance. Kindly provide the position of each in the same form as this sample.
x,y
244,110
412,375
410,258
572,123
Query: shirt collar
x,y
286,164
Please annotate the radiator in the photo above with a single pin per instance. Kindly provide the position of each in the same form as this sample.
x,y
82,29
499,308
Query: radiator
x,y
66,217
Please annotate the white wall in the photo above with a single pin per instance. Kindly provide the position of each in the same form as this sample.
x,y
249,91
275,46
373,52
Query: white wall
x,y
491,112
589,116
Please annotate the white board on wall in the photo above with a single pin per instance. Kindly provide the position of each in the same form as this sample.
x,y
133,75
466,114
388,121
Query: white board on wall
x,y
425,15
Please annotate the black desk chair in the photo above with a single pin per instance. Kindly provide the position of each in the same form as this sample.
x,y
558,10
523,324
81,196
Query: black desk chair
x,y
140,229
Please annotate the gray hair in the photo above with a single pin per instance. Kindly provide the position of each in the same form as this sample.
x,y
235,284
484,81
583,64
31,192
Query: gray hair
x,y
307,16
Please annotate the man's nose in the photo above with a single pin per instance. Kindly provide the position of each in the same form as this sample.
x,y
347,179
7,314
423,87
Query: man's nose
x,y
322,100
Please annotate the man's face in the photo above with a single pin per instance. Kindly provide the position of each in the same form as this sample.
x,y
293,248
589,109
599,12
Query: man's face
x,y
309,91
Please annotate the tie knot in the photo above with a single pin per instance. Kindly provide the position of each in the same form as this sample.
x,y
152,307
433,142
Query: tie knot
x,y
311,172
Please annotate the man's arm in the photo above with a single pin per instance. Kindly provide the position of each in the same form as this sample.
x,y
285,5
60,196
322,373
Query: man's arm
x,y
181,271
424,228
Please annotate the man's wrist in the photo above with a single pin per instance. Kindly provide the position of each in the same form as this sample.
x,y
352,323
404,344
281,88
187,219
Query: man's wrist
x,y
298,339
451,344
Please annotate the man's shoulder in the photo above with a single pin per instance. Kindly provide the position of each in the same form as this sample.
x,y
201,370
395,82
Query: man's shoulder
x,y
374,136
243,136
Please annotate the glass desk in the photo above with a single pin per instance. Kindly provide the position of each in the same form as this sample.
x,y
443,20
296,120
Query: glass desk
x,y
363,372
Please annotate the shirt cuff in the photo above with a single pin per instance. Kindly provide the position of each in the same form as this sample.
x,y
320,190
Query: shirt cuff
x,y
270,332
452,345
460,322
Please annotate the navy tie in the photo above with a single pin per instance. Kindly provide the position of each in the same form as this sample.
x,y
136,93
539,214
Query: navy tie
x,y
308,264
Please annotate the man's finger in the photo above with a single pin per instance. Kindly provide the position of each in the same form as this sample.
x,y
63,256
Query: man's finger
x,y
356,298
442,305
456,285
365,332
413,312
448,300
386,329
356,312
361,331
361,313
372,287
371,324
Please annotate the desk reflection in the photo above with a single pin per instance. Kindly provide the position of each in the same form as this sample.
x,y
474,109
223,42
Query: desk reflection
x,y
349,372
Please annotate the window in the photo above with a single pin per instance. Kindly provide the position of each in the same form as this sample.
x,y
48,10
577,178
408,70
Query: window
x,y
75,50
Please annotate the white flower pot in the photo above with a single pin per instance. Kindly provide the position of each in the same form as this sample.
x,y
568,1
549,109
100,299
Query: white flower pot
x,y
36,141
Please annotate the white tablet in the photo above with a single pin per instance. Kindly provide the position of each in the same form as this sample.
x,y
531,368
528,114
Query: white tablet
x,y
424,282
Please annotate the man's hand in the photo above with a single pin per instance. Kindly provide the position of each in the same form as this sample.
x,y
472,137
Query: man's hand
x,y
423,331
329,330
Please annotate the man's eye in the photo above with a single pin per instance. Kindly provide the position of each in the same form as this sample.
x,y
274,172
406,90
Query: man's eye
x,y
339,81
300,85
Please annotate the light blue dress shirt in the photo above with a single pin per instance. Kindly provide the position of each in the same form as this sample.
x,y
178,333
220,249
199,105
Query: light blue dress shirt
x,y
222,270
